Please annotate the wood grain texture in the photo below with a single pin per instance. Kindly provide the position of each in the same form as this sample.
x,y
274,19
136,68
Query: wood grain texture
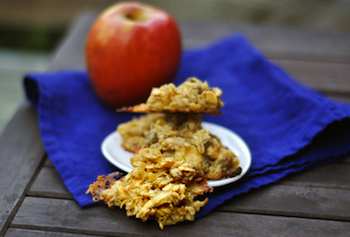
x,y
20,154
70,54
325,15
324,76
334,175
300,201
308,194
319,60
49,184
21,150
13,232
281,43
65,215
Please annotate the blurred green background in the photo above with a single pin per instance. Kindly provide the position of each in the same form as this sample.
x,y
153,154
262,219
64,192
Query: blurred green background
x,y
30,29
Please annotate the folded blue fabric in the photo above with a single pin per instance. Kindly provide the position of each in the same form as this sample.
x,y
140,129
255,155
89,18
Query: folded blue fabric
x,y
287,126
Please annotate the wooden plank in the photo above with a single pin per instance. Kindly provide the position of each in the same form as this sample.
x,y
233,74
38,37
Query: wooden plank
x,y
21,150
300,201
20,153
63,59
307,194
323,76
70,54
13,232
275,42
65,215
282,42
49,184
329,15
335,175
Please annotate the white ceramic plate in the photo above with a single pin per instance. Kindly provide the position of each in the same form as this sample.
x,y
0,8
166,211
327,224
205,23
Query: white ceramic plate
x,y
115,153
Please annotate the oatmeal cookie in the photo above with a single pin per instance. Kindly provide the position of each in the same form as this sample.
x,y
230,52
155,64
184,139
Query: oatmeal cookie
x,y
192,96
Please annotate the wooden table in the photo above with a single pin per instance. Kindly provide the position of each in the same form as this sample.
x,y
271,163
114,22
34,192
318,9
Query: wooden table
x,y
34,202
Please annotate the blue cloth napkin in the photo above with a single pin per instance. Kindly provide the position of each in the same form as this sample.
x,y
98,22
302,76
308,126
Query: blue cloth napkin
x,y
288,127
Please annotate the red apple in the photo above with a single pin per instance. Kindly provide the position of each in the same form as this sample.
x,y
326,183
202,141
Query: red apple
x,y
131,48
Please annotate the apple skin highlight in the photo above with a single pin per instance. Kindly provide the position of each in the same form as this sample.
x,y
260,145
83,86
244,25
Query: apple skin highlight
x,y
131,48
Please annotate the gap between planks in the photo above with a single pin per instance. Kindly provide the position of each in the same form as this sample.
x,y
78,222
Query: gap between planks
x,y
277,43
20,232
23,156
286,197
320,75
75,62
65,215
21,199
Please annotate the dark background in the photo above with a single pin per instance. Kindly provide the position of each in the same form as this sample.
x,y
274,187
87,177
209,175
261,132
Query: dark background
x,y
38,24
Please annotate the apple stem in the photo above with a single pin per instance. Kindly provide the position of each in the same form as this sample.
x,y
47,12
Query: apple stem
x,y
135,14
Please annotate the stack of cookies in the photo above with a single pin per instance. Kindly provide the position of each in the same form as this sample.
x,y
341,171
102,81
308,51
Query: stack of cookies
x,y
174,155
